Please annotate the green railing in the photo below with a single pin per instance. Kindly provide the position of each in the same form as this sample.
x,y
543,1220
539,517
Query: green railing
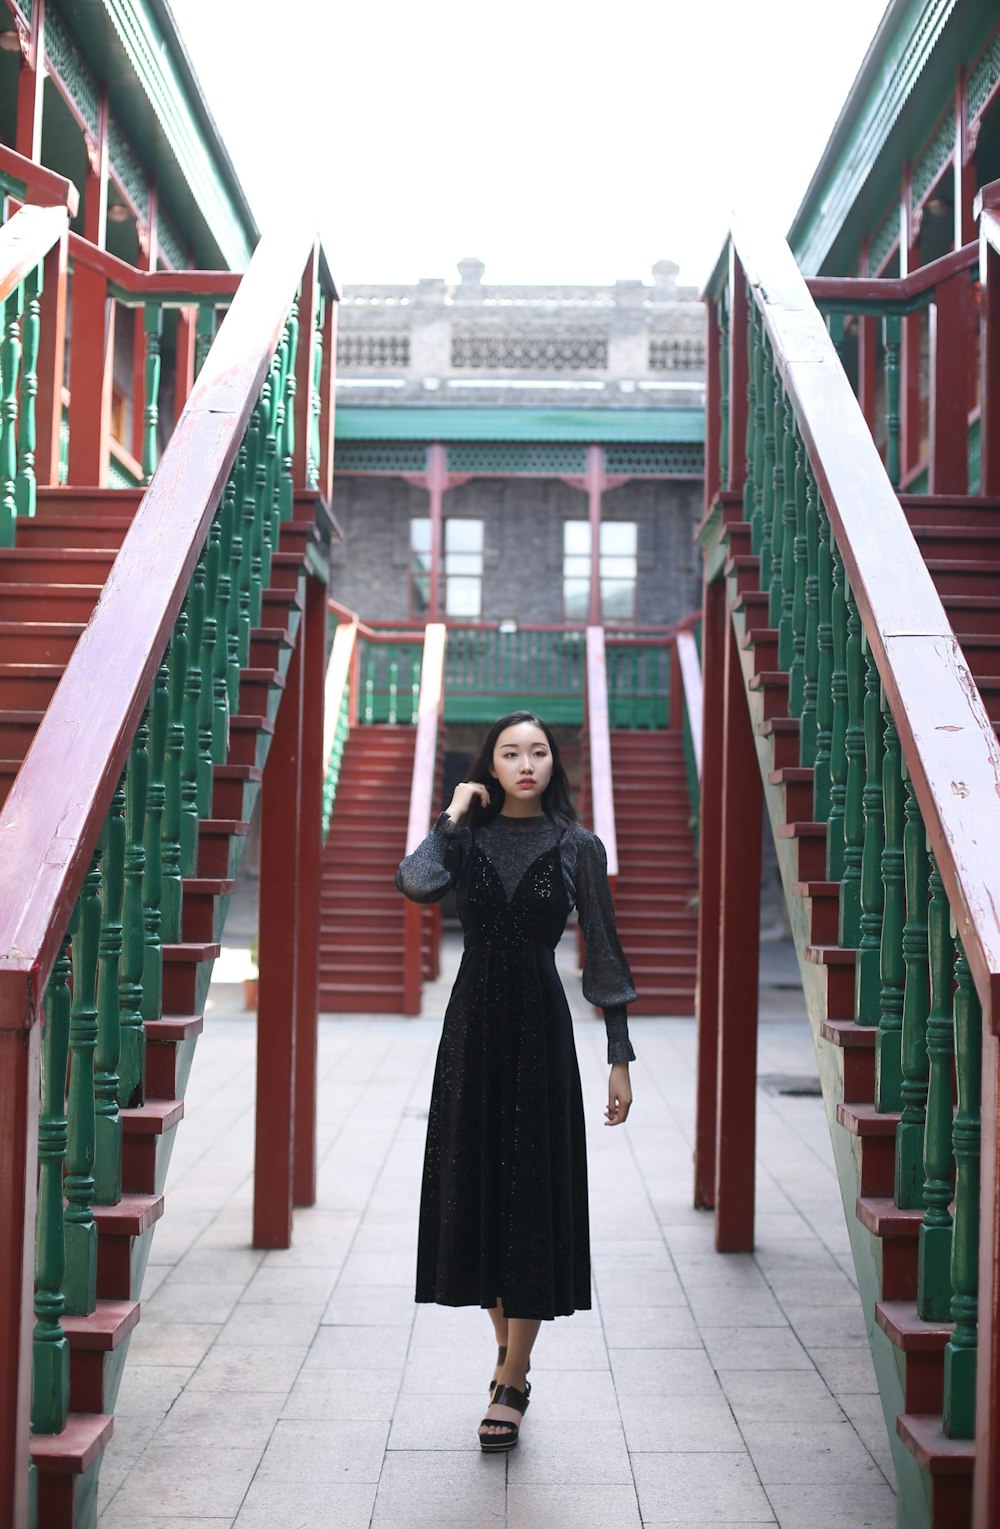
x,y
389,679
870,705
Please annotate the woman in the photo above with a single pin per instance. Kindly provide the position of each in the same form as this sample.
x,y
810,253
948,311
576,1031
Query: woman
x,y
503,1211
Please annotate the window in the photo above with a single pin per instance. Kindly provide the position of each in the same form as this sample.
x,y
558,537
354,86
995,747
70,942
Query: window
x,y
617,570
462,568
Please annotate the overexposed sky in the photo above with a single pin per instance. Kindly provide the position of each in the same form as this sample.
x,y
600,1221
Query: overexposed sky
x,y
556,141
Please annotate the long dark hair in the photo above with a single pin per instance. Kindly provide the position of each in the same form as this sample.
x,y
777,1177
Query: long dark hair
x,y
556,802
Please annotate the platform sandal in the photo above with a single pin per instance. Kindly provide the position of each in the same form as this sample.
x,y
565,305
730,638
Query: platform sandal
x,y
501,1357
495,1443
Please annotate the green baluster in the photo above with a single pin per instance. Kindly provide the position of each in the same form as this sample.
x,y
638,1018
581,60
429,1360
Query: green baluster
x,y
151,411
867,1007
934,1246
192,706
231,501
854,822
892,331
415,671
50,1350
245,506
267,471
107,1056
754,493
256,474
209,643
838,715
888,1048
288,438
822,608
27,435
722,313
173,811
804,565
774,493
960,1350
221,647
316,401
204,334
81,1231
916,1002
10,364
393,688
133,1062
786,450
152,882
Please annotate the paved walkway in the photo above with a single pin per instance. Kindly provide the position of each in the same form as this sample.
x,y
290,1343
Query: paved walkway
x,y
304,1388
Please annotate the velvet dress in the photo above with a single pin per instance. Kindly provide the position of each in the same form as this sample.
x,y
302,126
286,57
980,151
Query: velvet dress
x,y
503,1208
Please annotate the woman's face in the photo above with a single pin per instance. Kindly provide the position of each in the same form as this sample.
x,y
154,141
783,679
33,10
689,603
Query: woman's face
x,y
522,762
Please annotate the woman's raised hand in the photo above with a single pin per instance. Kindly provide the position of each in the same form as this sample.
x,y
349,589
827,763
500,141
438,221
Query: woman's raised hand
x,y
466,792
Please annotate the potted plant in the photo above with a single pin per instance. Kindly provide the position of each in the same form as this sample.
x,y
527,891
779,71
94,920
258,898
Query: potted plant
x,y
250,983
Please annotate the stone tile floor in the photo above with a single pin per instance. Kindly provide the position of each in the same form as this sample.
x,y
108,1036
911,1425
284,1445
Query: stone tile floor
x,y
305,1389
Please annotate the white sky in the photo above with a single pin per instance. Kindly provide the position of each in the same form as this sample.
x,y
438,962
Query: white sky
x,y
557,141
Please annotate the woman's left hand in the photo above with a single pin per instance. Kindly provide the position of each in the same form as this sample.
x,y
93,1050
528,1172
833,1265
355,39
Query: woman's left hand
x,y
619,1095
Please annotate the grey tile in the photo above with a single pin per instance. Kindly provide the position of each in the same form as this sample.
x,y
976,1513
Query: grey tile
x,y
271,1327
574,1396
551,1452
358,1348
572,1507
171,1343
755,1348
699,1489
186,1484
324,1451
440,1484
177,1301
151,1388
379,1306
680,1424
850,1370
624,1286
808,1454
231,1368
274,1285
779,1396
305,1505
651,1327
220,1420
845,1506
444,1422
663,1372
340,1395
829,1327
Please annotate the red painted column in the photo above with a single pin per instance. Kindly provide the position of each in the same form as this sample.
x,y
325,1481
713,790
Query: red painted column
x,y
739,371
278,989
30,89
187,341
951,338
989,432
437,482
986,1485
91,367
715,620
51,364
19,1083
308,307
713,395
328,400
739,952
596,484
313,645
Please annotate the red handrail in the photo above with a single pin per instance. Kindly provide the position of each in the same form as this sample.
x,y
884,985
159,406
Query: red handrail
x,y
26,240
602,799
893,290
689,665
429,713
43,187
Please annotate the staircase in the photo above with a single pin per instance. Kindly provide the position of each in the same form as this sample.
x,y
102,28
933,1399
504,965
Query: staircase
x,y
657,886
49,584
361,913
878,761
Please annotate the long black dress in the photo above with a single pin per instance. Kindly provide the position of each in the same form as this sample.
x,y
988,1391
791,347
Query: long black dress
x,y
503,1208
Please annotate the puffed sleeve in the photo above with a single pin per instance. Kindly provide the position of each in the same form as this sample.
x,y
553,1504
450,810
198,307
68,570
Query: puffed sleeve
x,y
607,981
436,863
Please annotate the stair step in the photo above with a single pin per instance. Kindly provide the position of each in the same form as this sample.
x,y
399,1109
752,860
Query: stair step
x,y
38,642
87,502
857,1044
897,1231
90,1339
923,1343
47,602
73,1451
60,532
924,1437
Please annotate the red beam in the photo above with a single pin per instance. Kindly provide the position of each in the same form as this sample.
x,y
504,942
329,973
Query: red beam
x,y
739,954
51,364
313,645
738,375
713,639
30,89
308,303
951,339
91,357
277,1000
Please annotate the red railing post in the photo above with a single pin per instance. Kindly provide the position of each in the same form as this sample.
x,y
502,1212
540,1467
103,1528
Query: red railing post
x,y
280,844
989,360
675,713
51,364
738,374
19,1083
308,308
421,799
739,954
713,417
715,621
327,398
951,338
91,354
312,642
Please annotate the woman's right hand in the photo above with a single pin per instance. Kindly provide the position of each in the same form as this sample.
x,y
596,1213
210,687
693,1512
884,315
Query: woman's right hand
x,y
466,792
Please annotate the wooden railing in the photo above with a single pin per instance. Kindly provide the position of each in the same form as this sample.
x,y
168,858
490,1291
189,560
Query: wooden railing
x,y
22,180
599,786
430,715
906,774
337,711
101,824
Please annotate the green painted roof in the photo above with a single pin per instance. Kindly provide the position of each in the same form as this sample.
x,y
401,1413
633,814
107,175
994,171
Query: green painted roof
x,y
443,423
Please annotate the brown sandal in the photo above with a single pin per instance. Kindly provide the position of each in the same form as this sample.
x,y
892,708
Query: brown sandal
x,y
503,1396
501,1356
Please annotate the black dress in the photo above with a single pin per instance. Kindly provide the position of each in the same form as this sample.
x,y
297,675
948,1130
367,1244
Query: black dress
x,y
503,1209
